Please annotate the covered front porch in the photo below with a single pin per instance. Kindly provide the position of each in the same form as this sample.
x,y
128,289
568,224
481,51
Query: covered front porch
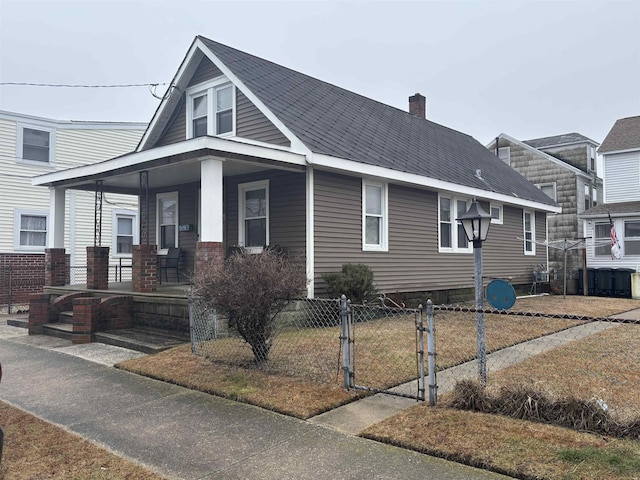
x,y
203,198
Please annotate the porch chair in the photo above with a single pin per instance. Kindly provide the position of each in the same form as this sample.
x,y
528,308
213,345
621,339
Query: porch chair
x,y
170,261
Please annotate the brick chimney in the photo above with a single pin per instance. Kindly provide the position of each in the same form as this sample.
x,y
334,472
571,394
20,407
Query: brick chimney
x,y
418,106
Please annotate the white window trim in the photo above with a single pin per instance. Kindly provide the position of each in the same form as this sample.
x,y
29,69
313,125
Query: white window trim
x,y
623,241
120,212
20,144
454,226
243,188
508,151
602,241
383,246
549,184
167,196
533,232
499,220
19,212
209,88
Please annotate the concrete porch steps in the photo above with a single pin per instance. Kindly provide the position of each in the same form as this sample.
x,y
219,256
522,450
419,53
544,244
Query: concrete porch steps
x,y
59,330
22,322
145,340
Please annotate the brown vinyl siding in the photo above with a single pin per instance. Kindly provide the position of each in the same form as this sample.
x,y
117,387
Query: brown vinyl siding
x,y
251,123
287,212
205,71
175,131
412,262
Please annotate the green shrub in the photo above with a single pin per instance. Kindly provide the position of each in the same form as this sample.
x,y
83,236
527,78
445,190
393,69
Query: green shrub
x,y
355,281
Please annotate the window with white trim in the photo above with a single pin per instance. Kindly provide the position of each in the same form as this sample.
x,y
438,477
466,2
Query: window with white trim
x,y
594,200
35,144
125,232
504,154
30,230
549,189
374,216
210,109
587,197
496,213
253,215
632,237
167,220
602,239
529,225
451,233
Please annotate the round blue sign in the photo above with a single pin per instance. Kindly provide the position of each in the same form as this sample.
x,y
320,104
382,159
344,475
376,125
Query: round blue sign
x,y
500,294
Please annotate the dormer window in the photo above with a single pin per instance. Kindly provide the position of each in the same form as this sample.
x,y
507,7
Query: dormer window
x,y
210,109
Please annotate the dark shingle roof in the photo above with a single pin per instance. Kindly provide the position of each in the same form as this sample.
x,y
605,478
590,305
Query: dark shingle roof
x,y
333,121
613,209
624,135
559,140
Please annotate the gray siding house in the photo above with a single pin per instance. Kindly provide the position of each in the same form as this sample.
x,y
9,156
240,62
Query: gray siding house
x,y
565,168
245,152
621,159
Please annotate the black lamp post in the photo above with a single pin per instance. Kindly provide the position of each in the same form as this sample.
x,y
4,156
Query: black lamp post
x,y
476,223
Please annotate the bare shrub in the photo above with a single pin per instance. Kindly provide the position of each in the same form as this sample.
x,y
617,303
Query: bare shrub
x,y
528,403
251,289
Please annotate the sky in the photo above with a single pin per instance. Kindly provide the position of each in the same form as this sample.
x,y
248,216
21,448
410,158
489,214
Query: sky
x,y
529,69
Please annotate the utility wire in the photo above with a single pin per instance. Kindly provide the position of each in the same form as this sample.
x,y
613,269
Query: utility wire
x,y
126,85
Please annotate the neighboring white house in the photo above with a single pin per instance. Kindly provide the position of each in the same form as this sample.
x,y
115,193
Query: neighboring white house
x,y
32,146
621,159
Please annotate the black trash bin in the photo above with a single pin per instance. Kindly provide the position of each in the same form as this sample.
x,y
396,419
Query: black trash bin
x,y
591,281
604,282
622,282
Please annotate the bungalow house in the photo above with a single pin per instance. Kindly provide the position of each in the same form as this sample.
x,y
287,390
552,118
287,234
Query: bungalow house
x,y
32,146
244,152
621,202
565,168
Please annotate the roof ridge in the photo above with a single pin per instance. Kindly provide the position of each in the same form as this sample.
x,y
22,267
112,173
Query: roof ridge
x,y
332,85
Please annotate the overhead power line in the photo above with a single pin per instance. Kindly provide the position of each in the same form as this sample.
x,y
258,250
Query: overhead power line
x,y
65,85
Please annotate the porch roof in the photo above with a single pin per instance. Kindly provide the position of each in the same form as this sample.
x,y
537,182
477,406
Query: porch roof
x,y
174,164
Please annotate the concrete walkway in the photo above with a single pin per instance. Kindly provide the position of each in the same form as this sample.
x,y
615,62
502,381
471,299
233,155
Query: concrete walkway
x,y
184,434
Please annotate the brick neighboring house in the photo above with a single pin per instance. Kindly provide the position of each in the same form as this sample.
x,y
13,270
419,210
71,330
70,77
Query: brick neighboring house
x,y
621,159
565,168
243,152
32,146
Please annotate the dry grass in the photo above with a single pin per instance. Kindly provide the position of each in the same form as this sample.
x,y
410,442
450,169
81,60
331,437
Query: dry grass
x,y
289,395
514,447
604,366
37,450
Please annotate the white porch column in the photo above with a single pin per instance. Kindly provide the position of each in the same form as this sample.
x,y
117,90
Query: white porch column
x,y
56,218
211,197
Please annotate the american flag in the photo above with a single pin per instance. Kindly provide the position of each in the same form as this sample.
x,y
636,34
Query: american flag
x,y
616,253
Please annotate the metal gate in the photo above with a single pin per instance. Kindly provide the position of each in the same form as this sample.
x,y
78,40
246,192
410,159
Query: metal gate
x,y
383,348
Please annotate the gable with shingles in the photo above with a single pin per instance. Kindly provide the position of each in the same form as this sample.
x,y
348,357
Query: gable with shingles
x,y
322,119
250,121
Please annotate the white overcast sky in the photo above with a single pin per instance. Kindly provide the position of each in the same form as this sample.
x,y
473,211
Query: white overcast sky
x,y
526,68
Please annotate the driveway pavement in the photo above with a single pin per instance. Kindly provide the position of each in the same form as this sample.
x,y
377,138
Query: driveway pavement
x,y
184,434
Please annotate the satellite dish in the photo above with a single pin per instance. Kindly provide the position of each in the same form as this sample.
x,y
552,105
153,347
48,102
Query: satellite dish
x,y
500,294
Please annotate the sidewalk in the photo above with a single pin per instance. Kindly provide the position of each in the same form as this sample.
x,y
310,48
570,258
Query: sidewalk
x,y
185,434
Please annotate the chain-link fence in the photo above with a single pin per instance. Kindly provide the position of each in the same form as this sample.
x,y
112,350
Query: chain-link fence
x,y
568,356
16,284
305,342
559,355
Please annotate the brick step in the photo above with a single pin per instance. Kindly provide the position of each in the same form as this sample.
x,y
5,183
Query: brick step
x,y
18,322
66,317
59,330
